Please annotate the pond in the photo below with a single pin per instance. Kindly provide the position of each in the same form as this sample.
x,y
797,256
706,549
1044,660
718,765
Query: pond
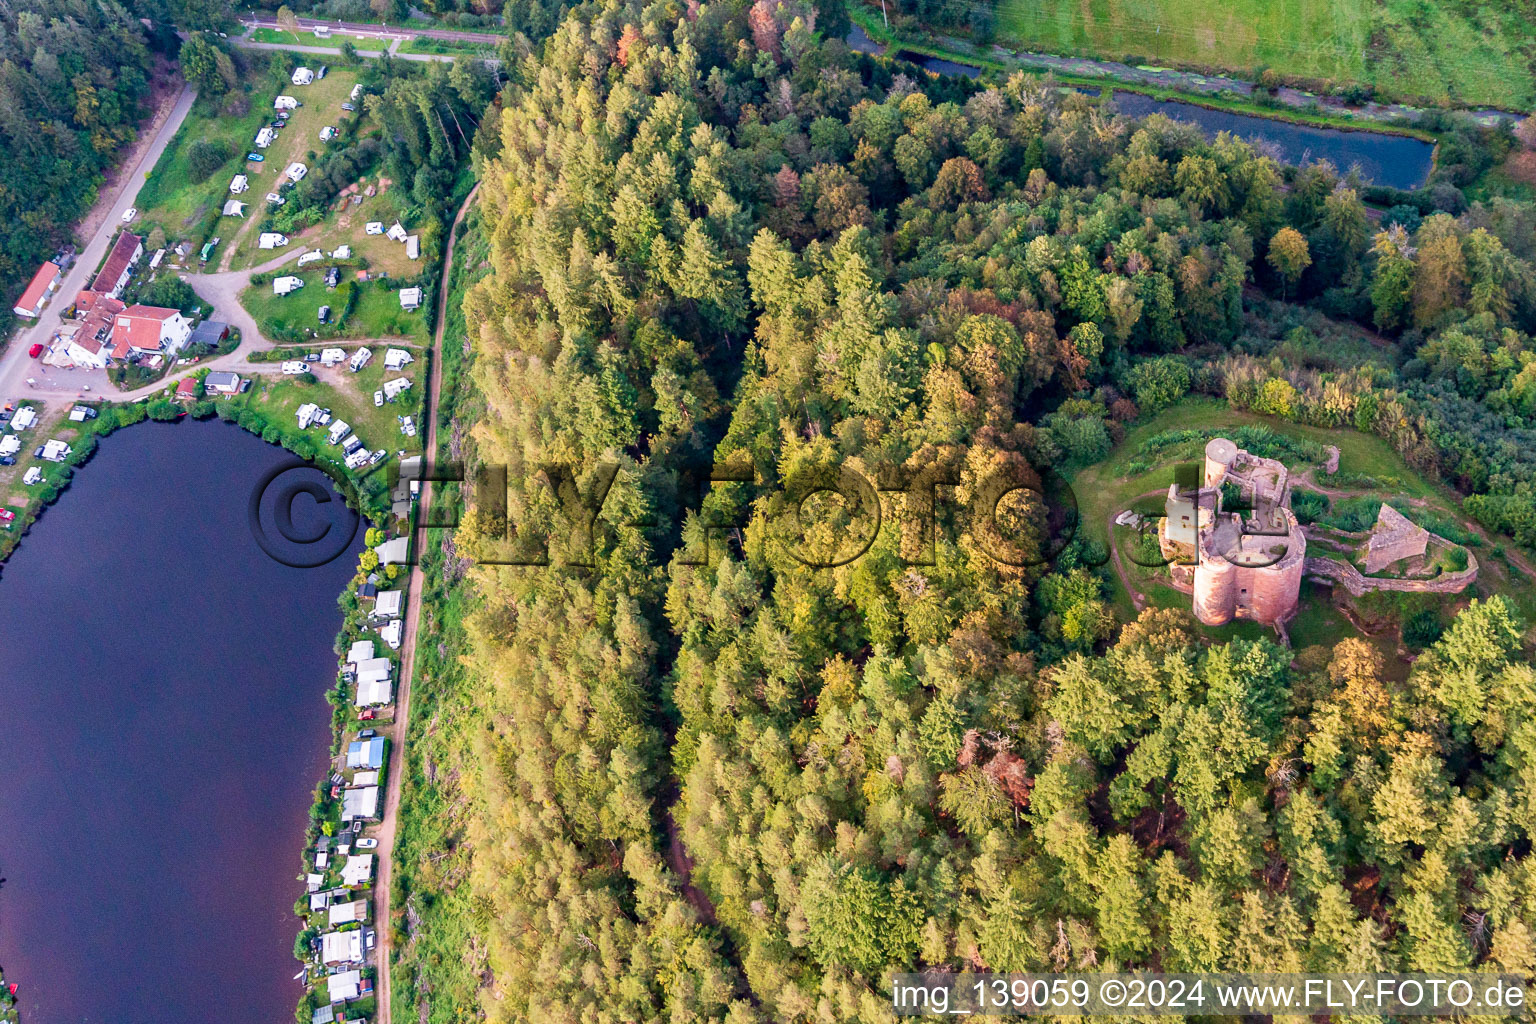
x,y
163,691
1398,161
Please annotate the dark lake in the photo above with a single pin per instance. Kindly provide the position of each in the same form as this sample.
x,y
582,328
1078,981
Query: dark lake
x,y
1395,160
162,694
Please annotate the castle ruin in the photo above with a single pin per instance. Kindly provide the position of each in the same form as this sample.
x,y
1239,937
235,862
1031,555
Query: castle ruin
x,y
1236,567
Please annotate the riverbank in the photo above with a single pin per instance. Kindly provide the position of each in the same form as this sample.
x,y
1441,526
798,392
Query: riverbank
x,y
1225,94
1179,80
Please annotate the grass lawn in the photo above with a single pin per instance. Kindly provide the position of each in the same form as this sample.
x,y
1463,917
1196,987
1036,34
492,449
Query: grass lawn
x,y
375,315
179,205
349,396
1473,54
188,210
300,141
425,44
304,38
344,225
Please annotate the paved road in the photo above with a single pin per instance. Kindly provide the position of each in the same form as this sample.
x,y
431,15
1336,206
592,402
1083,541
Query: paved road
x,y
15,365
398,729
331,51
352,28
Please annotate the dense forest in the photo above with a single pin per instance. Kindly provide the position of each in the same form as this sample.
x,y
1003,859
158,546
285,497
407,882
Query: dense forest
x,y
74,83
716,782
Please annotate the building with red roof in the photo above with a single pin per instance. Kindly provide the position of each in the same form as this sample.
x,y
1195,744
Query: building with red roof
x,y
114,273
148,330
91,345
43,283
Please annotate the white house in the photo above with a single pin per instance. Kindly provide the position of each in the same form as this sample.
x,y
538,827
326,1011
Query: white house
x,y
287,285
362,802
313,256
354,911
396,233
360,359
234,208
387,604
285,103
146,330
339,988
272,240
358,870
410,298
394,552
332,356
303,76
374,227
222,382
393,389
42,285
397,358
373,693
239,184
341,948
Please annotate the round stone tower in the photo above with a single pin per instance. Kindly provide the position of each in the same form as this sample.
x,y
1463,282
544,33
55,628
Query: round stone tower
x,y
1220,454
1215,589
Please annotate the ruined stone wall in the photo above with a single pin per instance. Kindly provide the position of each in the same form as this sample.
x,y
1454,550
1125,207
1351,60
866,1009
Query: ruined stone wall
x,y
1356,584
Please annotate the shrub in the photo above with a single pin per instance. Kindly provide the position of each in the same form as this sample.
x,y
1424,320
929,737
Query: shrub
x,y
205,157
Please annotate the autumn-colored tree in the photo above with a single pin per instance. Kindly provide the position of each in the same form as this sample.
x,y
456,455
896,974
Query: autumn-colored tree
x,y
1289,255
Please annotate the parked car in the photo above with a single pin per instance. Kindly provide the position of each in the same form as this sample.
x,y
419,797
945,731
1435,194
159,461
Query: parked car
x,y
367,734
321,72
378,456
368,714
275,199
367,844
7,460
276,125
255,158
6,515
347,106
130,213
36,350
378,398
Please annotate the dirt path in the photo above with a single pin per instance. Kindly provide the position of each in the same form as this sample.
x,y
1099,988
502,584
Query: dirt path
x,y
399,729
1138,599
